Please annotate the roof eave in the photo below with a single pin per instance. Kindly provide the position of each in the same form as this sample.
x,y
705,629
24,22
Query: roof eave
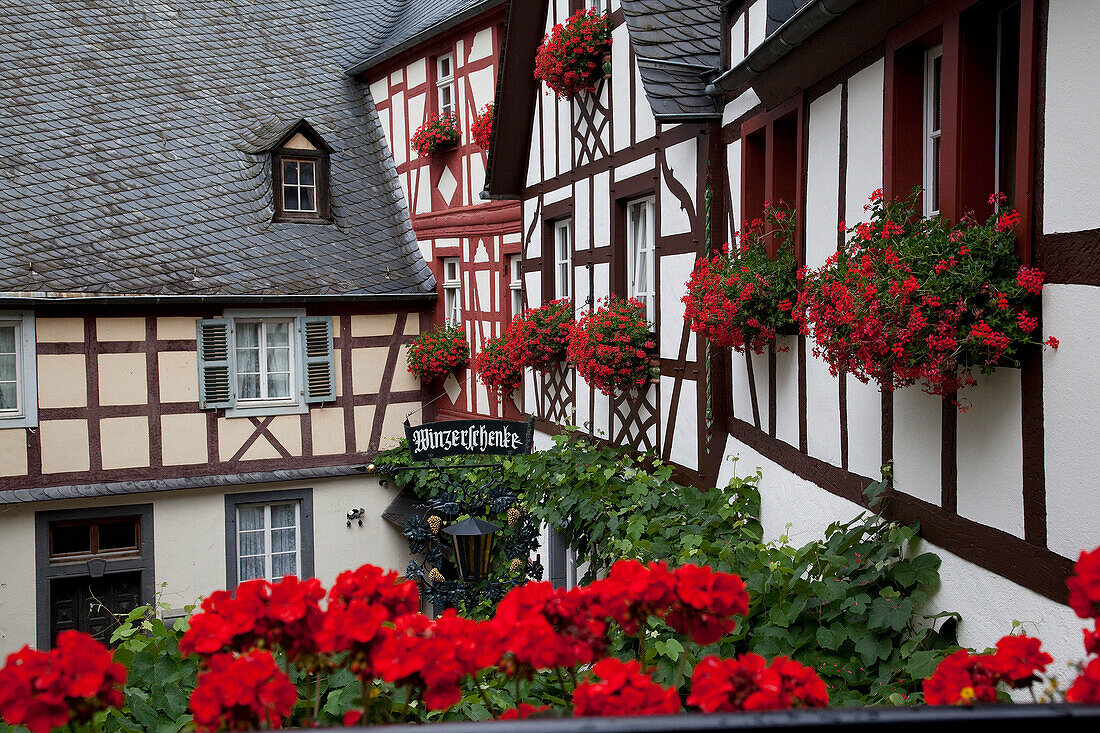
x,y
82,299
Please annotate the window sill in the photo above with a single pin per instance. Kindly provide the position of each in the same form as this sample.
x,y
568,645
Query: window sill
x,y
266,409
18,421
291,219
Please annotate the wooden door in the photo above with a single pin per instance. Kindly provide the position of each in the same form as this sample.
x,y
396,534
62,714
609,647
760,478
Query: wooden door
x,y
91,605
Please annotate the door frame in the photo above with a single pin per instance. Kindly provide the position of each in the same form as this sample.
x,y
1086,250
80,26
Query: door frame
x,y
45,572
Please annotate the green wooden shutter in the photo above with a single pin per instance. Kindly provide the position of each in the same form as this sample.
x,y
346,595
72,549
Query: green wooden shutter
x,y
215,376
320,369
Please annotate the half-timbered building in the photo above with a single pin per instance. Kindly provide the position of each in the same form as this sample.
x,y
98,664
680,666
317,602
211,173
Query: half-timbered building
x,y
439,58
710,110
209,283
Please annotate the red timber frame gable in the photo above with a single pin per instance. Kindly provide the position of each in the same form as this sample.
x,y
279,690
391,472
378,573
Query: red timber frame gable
x,y
366,413
967,147
443,191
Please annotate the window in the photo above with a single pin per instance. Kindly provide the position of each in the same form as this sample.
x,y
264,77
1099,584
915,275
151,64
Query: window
x,y
960,103
268,541
299,186
515,283
639,261
452,292
444,82
563,259
18,386
81,540
771,165
269,534
933,93
265,363
300,172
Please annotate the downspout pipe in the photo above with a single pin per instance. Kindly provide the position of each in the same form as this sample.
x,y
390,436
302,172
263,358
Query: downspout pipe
x,y
804,23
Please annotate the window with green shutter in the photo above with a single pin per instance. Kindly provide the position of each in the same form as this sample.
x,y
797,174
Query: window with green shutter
x,y
215,372
317,356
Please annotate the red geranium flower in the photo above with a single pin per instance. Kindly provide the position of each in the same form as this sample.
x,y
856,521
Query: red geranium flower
x,y
1019,659
46,690
1086,688
242,693
433,354
962,679
748,683
569,58
435,134
625,690
523,712
608,345
481,129
1084,585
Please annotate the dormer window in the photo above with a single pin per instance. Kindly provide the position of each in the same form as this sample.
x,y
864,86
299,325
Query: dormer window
x,y
299,163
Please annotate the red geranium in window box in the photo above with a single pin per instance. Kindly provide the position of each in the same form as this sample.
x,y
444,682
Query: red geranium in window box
x,y
571,57
481,129
496,366
437,134
910,300
742,298
435,353
610,345
539,337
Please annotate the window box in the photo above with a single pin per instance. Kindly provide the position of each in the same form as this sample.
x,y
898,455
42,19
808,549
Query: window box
x,y
564,62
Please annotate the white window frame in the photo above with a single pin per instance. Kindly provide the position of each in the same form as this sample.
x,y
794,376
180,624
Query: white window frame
x,y
931,132
267,506
299,185
641,246
563,259
445,82
296,403
515,283
25,415
452,291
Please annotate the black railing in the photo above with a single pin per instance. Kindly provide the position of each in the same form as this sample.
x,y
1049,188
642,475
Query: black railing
x,y
991,718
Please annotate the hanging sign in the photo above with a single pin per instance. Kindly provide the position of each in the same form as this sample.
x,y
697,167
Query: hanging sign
x,y
469,438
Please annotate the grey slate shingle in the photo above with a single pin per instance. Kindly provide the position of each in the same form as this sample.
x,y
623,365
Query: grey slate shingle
x,y
686,31
129,139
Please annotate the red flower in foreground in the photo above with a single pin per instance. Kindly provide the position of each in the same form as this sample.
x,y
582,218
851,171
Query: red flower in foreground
x,y
707,601
748,683
1084,585
1086,688
45,690
625,690
1019,659
1092,639
523,712
242,693
962,679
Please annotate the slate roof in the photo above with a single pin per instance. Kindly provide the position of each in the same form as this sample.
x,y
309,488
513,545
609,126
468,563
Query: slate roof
x,y
129,139
405,23
686,33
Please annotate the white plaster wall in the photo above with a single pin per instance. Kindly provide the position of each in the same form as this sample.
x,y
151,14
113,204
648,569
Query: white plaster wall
x,y
561,193
739,106
737,41
786,389
601,284
534,153
864,428
531,227
733,179
742,396
481,82
864,173
645,126
988,603
822,178
681,161
675,270
582,234
685,437
565,140
990,461
758,23
644,164
400,134
601,209
547,108
620,87
822,410
918,427
1071,198
1071,418
17,587
416,73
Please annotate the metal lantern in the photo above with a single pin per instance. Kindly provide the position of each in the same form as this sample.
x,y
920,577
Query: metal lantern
x,y
473,542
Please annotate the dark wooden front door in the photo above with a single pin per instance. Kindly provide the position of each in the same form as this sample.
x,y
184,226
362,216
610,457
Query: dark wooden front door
x,y
91,604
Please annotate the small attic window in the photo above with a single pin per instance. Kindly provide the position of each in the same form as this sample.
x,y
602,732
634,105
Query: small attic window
x,y
300,167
